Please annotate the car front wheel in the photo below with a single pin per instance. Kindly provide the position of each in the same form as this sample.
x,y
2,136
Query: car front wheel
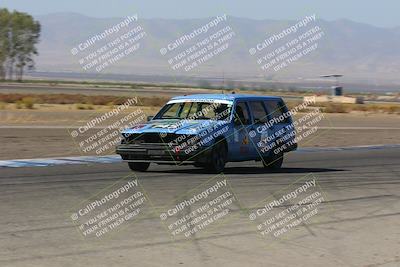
x,y
139,166
217,160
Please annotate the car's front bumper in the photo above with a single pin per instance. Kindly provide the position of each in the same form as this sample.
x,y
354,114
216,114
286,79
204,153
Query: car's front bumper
x,y
159,153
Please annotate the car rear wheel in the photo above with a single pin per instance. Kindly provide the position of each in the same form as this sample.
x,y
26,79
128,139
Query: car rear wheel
x,y
273,162
139,166
217,160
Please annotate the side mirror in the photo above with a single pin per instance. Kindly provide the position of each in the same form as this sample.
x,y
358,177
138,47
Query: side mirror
x,y
149,118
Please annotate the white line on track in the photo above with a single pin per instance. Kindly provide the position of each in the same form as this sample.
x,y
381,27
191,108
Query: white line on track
x,y
44,162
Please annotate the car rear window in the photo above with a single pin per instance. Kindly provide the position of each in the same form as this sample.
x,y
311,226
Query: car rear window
x,y
258,111
275,109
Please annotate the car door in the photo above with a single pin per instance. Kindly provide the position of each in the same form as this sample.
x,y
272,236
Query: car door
x,y
258,132
282,128
241,147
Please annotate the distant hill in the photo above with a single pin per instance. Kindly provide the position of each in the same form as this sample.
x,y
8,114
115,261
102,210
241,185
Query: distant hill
x,y
362,52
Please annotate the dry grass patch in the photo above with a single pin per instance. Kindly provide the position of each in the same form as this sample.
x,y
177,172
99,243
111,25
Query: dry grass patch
x,y
28,100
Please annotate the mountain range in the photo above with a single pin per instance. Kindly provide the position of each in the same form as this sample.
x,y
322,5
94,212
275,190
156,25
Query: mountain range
x,y
362,52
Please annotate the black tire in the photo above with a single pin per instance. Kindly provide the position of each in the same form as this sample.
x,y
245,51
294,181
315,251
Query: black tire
x,y
273,162
139,166
218,156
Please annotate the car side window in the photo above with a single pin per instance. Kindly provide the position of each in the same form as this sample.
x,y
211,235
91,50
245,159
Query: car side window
x,y
275,109
258,111
242,115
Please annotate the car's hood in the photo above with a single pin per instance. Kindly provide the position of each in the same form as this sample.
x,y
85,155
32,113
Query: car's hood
x,y
173,126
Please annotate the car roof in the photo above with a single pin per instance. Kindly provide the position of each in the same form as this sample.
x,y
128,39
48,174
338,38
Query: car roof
x,y
224,96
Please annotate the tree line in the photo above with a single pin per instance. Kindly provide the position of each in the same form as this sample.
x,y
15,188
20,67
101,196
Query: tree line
x,y
19,34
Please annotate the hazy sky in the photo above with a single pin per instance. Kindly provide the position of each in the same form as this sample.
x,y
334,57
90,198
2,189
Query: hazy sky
x,y
383,13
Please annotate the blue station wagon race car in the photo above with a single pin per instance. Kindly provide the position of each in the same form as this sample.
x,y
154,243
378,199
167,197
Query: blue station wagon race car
x,y
209,130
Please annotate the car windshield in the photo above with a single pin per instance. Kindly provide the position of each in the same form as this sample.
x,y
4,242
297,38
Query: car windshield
x,y
195,111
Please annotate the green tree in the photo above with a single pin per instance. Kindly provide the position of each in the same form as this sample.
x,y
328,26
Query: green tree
x,y
19,35
4,40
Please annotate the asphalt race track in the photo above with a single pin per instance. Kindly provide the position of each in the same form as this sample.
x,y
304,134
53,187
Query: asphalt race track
x,y
358,223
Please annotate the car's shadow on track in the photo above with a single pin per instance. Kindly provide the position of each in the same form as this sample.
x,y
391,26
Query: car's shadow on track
x,y
250,170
